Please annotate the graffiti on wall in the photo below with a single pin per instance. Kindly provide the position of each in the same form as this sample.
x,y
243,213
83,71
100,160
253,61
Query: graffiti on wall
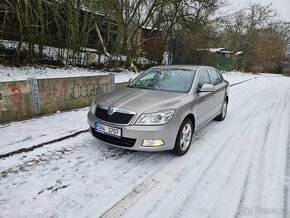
x,y
15,90
85,90
17,96
11,103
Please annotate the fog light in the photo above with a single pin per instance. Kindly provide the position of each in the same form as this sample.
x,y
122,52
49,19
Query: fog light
x,y
152,143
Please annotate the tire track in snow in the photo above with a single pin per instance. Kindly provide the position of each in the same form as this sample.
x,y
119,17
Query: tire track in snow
x,y
248,115
274,118
119,208
287,171
201,178
245,185
225,150
238,156
262,152
249,170
246,180
275,128
287,175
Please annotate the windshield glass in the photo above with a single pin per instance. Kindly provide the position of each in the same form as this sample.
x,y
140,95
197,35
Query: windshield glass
x,y
174,80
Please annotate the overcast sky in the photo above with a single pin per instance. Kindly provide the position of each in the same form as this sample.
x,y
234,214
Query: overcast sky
x,y
282,6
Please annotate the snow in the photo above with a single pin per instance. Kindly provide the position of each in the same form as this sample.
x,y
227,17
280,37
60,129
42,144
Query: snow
x,y
15,74
235,168
125,77
54,53
236,77
40,130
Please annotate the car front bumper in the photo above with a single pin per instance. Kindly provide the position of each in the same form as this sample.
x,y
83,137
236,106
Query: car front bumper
x,y
133,135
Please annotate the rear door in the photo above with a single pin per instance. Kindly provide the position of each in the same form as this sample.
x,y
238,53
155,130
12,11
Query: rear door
x,y
219,92
204,99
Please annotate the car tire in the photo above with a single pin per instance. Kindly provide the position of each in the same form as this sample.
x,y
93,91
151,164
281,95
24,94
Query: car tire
x,y
184,138
223,113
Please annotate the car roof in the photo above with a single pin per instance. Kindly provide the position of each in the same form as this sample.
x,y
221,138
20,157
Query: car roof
x,y
183,67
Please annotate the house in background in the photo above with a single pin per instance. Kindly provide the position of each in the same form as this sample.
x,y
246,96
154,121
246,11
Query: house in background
x,y
152,45
221,57
221,51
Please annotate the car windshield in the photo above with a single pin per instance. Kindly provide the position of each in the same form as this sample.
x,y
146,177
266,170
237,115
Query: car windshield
x,y
174,80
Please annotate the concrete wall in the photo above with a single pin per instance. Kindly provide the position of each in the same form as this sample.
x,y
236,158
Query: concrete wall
x,y
15,101
25,99
70,93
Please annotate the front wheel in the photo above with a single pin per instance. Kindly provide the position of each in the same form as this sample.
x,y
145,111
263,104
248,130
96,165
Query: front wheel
x,y
223,113
184,138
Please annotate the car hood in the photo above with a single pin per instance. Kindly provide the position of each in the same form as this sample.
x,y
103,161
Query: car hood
x,y
141,100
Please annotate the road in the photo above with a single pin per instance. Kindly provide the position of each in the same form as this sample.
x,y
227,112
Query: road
x,y
236,168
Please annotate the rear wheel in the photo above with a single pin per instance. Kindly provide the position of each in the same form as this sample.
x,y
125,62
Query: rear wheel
x,y
184,138
223,113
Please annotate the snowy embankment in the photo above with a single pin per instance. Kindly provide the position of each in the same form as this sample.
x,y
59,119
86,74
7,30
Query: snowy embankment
x,y
235,168
15,74
26,134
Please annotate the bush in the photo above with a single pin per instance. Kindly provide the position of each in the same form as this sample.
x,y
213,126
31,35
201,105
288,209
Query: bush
x,y
286,71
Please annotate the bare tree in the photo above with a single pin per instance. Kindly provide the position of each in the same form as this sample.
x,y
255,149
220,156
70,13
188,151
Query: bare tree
x,y
255,31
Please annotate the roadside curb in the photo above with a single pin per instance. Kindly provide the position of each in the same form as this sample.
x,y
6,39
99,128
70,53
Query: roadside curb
x,y
23,150
235,84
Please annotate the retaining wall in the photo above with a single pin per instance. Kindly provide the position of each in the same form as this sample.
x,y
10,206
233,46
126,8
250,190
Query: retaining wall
x,y
25,99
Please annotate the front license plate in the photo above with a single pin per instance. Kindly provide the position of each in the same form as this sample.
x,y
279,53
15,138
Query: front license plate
x,y
108,129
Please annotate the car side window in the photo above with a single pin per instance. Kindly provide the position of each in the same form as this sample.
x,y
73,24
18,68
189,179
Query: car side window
x,y
203,78
220,76
216,78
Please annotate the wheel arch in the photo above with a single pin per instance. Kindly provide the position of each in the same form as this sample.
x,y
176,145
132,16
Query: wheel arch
x,y
178,150
193,120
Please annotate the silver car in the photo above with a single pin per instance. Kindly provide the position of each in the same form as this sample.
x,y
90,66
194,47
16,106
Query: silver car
x,y
160,109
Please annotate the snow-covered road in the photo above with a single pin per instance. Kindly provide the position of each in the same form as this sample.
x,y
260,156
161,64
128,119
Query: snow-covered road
x,y
236,168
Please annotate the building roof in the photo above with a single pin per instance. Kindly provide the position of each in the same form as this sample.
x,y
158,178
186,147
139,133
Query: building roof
x,y
214,50
183,67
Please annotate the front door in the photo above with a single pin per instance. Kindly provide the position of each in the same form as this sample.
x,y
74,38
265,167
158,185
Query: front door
x,y
219,93
205,100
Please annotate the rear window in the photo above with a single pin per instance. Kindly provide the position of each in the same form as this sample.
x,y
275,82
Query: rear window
x,y
216,78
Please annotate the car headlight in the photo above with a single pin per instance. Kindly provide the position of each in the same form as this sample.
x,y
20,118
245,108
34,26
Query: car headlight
x,y
158,118
93,107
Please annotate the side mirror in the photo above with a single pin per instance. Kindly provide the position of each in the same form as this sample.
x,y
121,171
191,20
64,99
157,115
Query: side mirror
x,y
206,88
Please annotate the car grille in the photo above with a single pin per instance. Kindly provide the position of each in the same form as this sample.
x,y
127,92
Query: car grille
x,y
124,142
117,117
